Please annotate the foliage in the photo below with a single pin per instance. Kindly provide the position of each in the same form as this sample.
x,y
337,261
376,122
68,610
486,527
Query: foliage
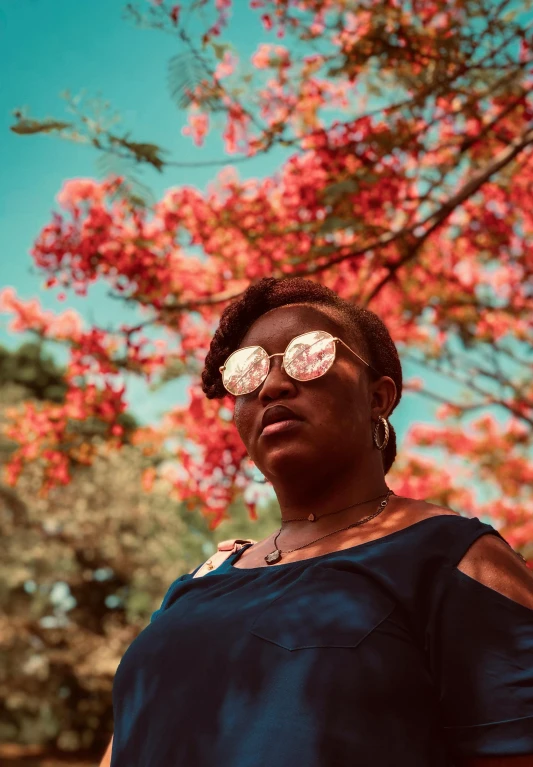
x,y
28,367
407,189
81,572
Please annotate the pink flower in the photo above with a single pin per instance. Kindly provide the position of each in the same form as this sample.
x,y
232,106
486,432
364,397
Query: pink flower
x,y
197,127
268,55
66,325
7,299
226,66
79,189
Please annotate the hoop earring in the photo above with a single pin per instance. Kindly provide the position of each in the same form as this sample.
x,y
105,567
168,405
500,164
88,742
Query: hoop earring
x,y
385,442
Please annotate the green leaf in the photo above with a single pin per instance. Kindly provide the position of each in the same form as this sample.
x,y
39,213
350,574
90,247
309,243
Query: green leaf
x,y
132,188
185,72
332,192
220,49
334,223
25,126
143,152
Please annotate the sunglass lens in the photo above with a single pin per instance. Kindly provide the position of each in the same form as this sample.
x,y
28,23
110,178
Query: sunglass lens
x,y
310,355
245,370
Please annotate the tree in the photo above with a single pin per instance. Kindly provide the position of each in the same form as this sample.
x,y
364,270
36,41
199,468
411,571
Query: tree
x,y
407,189
81,572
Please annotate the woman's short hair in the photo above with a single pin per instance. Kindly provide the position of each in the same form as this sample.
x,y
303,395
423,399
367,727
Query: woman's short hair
x,y
364,327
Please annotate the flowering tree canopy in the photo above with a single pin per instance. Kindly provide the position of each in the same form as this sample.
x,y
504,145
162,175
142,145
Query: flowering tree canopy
x,y
407,188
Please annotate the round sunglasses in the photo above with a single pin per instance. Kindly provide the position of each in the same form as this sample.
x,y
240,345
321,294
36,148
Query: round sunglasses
x,y
308,356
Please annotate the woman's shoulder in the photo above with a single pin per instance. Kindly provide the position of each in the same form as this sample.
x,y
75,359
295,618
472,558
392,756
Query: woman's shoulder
x,y
405,512
433,529
488,559
419,509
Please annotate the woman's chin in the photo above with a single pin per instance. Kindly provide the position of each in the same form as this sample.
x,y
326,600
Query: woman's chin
x,y
289,463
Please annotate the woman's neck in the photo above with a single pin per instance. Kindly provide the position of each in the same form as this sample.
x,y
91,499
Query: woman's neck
x,y
324,497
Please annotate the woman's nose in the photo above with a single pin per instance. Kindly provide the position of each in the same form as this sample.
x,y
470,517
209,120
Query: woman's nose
x,y
276,381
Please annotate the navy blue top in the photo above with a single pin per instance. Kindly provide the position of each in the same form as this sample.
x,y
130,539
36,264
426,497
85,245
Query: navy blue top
x,y
381,654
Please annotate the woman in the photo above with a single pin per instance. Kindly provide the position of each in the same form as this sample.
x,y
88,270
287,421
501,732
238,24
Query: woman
x,y
369,629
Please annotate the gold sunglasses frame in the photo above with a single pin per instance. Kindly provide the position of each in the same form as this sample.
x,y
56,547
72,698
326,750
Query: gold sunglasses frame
x,y
282,354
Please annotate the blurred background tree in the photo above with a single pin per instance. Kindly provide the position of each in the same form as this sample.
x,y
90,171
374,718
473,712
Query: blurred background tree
x,y
81,572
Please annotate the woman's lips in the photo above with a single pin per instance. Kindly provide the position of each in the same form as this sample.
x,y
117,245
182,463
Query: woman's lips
x,y
272,428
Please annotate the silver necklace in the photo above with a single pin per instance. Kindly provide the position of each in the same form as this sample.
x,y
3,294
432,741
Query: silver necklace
x,y
275,556
313,517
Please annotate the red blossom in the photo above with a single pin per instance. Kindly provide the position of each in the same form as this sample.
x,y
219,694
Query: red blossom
x,y
175,13
365,201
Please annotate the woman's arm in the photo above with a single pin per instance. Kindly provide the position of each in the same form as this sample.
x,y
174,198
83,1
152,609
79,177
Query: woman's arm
x,y
490,563
483,642
106,759
511,579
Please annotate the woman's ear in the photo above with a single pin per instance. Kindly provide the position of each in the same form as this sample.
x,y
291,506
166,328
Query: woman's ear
x,y
384,395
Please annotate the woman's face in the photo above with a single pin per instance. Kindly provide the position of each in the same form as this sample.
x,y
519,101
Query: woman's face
x,y
335,431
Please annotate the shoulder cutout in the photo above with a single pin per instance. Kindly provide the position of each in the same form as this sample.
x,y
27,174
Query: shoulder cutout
x,y
492,562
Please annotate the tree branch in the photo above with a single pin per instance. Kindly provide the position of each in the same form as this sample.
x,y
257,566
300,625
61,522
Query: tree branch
x,y
439,217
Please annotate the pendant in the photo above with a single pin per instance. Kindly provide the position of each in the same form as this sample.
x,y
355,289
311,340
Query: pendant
x,y
273,557
311,518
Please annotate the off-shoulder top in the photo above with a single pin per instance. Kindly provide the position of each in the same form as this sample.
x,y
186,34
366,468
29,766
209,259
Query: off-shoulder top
x,y
380,655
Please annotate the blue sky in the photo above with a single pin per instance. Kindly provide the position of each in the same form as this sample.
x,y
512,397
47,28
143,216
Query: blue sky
x,y
48,47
